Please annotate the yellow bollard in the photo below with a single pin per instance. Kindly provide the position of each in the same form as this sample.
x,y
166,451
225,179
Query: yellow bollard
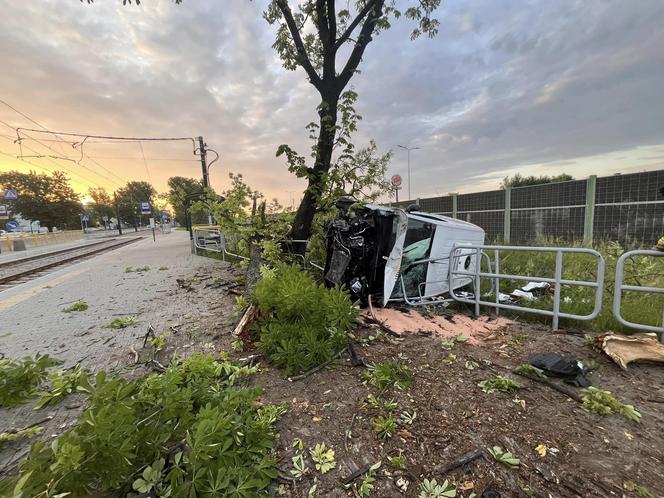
x,y
36,238
9,244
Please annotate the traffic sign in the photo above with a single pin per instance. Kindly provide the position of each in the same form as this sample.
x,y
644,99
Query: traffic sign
x,y
396,180
85,217
4,214
11,194
145,208
12,225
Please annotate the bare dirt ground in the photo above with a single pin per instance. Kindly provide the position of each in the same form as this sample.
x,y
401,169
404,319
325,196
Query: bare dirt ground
x,y
596,454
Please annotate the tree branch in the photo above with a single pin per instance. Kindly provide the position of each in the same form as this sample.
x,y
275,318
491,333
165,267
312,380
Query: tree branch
x,y
351,27
362,41
299,45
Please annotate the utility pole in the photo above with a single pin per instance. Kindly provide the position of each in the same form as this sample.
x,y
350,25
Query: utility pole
x,y
204,166
117,213
203,154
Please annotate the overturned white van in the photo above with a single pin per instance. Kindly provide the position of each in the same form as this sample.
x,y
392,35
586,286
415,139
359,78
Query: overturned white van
x,y
396,255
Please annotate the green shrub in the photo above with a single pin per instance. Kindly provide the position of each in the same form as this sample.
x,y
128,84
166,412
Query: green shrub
x,y
190,431
19,379
302,324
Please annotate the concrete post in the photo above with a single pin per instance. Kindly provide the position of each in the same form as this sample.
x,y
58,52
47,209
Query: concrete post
x,y
507,221
589,220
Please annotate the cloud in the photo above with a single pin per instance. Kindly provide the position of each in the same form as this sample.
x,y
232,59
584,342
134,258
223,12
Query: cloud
x,y
528,85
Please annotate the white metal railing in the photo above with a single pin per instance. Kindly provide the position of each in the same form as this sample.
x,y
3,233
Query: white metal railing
x,y
557,281
620,287
422,299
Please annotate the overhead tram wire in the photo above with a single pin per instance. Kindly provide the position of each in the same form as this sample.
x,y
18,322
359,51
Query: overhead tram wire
x,y
140,145
92,138
57,165
46,168
66,157
124,180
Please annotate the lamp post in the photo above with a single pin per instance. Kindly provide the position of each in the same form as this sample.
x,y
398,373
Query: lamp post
x,y
408,149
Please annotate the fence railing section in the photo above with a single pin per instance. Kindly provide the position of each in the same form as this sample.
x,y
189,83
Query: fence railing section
x,y
495,276
620,287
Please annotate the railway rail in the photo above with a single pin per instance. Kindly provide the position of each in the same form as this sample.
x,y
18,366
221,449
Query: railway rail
x,y
19,271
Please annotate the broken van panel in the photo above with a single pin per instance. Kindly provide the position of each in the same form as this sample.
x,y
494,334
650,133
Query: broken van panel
x,y
383,251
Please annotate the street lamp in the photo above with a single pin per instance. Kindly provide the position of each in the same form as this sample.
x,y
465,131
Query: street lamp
x,y
408,149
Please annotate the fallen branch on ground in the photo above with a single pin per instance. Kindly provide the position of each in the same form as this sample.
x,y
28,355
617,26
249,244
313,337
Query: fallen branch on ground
x,y
459,462
316,369
359,472
381,324
552,384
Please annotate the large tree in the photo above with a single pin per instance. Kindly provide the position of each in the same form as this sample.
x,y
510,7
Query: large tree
x,y
129,199
328,42
182,192
48,199
101,205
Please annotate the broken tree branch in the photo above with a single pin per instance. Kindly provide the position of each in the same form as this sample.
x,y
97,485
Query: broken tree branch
x,y
316,369
359,472
459,462
247,319
381,324
555,386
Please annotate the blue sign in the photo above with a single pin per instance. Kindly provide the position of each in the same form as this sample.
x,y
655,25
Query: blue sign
x,y
145,208
85,217
11,194
12,225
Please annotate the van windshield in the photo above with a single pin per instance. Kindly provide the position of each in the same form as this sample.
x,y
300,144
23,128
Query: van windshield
x,y
417,247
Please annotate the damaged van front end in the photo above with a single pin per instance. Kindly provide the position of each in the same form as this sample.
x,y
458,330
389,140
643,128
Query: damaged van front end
x,y
396,255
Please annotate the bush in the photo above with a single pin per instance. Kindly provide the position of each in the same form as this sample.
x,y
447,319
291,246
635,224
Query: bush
x,y
187,432
302,324
19,379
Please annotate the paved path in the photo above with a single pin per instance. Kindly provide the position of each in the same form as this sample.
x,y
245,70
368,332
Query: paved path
x,y
32,321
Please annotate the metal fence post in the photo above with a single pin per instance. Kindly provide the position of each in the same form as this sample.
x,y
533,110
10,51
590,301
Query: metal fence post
x,y
589,220
508,215
455,209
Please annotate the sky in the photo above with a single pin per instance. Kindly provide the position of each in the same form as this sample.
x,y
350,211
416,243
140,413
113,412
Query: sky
x,y
519,86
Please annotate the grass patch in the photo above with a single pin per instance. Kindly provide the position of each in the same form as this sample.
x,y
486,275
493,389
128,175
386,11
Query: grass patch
x,y
387,374
143,269
122,322
191,431
302,324
129,269
163,268
78,306
637,306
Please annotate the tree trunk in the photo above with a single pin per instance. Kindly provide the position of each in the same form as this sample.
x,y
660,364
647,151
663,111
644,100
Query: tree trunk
x,y
306,211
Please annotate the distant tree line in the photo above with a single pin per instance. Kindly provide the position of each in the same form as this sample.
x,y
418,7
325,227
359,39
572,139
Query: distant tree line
x,y
518,180
51,200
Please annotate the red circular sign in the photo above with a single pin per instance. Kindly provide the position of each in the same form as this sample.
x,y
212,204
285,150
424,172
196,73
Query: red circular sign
x,y
396,180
